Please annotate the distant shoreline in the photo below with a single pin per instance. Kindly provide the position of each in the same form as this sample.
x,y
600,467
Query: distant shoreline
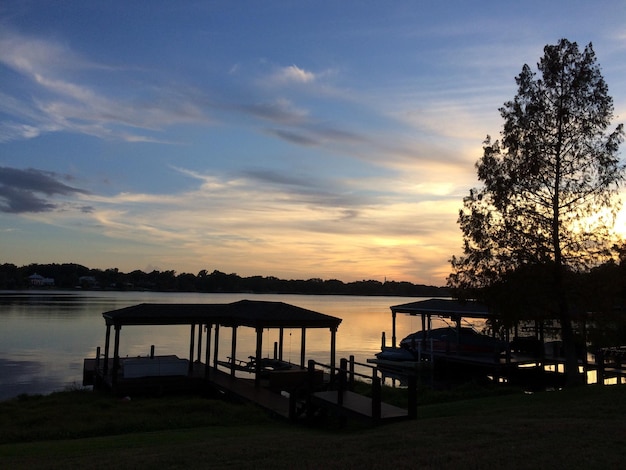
x,y
71,276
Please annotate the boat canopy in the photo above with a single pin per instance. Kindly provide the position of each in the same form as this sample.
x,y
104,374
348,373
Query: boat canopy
x,y
249,313
444,308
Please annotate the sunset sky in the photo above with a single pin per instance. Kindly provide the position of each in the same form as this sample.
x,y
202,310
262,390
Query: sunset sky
x,y
297,139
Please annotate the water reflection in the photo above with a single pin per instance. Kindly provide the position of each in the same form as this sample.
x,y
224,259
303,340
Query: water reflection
x,y
45,335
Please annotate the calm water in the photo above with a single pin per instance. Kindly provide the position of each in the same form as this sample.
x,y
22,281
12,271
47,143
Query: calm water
x,y
45,335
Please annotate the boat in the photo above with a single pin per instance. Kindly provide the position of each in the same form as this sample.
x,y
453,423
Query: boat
x,y
449,339
396,354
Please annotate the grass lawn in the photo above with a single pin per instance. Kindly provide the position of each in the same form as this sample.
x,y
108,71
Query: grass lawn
x,y
577,428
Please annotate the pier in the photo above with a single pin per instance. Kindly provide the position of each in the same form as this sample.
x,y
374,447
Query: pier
x,y
305,389
285,389
526,360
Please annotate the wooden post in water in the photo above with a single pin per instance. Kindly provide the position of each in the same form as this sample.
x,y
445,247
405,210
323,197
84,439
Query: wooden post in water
x,y
233,352
585,358
376,396
192,336
107,341
351,374
302,347
333,353
310,388
116,355
199,342
207,359
216,347
258,353
343,368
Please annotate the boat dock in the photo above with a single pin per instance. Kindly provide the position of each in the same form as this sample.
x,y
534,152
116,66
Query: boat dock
x,y
309,389
287,390
290,395
528,361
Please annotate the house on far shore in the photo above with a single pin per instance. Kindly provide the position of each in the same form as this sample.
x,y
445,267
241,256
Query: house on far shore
x,y
88,282
36,280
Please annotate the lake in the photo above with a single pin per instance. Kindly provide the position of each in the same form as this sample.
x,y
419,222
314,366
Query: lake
x,y
45,335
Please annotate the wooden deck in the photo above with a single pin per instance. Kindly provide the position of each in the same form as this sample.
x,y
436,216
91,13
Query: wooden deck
x,y
246,389
288,394
197,380
359,405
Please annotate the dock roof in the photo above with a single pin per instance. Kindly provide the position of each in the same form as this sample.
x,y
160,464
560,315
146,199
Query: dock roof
x,y
250,313
444,308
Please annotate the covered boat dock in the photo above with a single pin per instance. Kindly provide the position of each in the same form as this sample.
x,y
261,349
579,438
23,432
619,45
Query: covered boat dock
x,y
500,362
203,368
281,387
443,308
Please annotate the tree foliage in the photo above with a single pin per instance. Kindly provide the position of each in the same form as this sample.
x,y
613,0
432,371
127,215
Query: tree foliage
x,y
550,185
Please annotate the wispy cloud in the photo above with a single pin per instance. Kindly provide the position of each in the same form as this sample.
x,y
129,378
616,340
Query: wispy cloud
x,y
292,74
22,191
281,111
61,101
254,219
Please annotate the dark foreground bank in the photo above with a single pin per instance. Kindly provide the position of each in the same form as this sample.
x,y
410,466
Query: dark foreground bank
x,y
579,428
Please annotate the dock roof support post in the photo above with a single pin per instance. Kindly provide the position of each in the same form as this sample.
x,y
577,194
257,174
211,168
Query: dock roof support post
x,y
217,345
107,341
233,351
116,354
302,347
258,353
585,360
423,315
281,338
207,359
192,335
199,341
393,329
333,353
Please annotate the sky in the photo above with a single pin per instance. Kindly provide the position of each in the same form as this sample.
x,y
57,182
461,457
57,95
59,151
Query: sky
x,y
296,139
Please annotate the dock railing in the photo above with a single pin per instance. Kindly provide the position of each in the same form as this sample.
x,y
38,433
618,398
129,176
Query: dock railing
x,y
347,375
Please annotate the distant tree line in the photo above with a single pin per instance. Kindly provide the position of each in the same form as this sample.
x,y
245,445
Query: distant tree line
x,y
72,276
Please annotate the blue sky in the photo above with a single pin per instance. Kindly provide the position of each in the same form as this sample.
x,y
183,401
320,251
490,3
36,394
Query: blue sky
x,y
299,139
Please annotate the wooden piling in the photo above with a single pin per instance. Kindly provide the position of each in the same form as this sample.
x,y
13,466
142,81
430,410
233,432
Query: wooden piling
x,y
376,397
351,377
343,368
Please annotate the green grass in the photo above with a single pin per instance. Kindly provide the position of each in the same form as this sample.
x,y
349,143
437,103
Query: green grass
x,y
577,428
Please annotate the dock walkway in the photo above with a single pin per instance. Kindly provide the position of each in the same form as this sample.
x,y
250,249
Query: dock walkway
x,y
291,404
246,389
359,405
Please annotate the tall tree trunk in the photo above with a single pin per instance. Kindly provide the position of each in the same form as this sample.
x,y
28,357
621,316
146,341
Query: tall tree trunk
x,y
567,333
572,375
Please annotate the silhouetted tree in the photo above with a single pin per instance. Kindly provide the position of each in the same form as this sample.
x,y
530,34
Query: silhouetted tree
x,y
549,186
